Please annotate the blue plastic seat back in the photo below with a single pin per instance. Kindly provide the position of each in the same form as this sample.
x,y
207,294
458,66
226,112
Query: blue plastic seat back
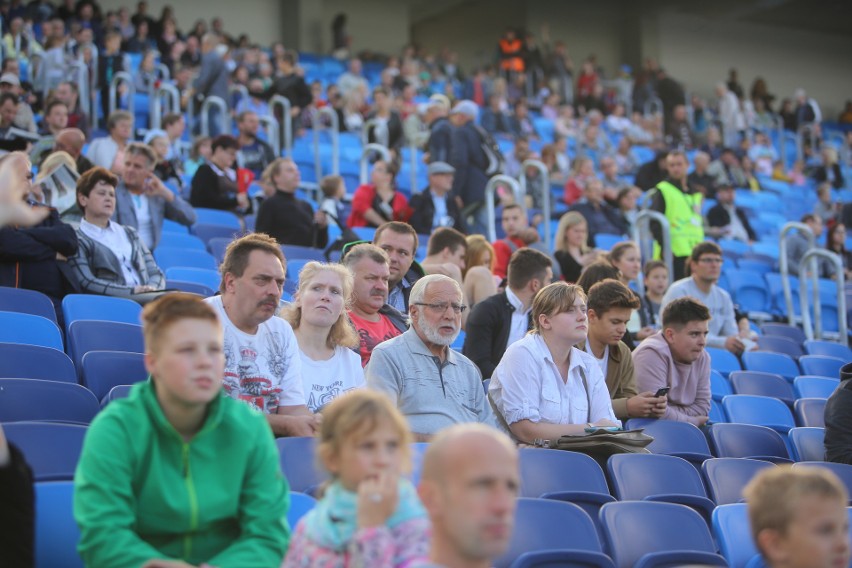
x,y
543,471
115,393
717,413
295,266
540,525
51,449
723,361
747,441
810,412
759,410
562,558
205,216
184,241
103,370
92,335
635,529
26,302
104,308
56,532
188,258
720,387
674,438
768,362
810,386
21,361
822,365
293,252
763,384
300,505
217,247
637,476
28,329
842,470
780,344
190,288
298,463
204,276
828,348
726,477
808,443
733,533
784,330
33,399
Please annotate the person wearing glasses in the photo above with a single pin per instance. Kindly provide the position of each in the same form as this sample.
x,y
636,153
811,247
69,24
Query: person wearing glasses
x,y
705,267
433,385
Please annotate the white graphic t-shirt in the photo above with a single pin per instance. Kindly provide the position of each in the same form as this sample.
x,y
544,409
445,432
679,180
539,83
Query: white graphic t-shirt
x,y
264,369
323,381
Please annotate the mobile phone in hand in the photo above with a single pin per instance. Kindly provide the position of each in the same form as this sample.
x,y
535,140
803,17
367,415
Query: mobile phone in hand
x,y
662,392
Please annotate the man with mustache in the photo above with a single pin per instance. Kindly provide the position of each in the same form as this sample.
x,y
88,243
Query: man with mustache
x,y
262,364
374,319
432,385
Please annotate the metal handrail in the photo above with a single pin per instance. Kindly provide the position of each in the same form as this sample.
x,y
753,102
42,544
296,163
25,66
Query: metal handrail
x,y
224,117
413,159
784,269
118,78
653,102
163,71
545,198
807,270
173,103
809,127
94,79
365,130
490,188
36,61
642,236
84,86
365,158
286,126
273,132
237,88
335,140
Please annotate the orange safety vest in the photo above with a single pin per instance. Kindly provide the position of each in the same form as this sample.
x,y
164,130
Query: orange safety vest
x,y
512,49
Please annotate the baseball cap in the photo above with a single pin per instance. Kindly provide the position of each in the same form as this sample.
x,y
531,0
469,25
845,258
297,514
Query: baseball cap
x,y
440,99
466,107
436,168
11,79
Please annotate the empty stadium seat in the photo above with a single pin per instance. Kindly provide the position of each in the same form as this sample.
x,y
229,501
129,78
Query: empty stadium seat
x,y
209,231
543,472
642,533
56,532
190,288
104,308
760,411
51,449
810,386
93,335
34,399
723,361
828,348
749,291
217,247
680,439
717,413
28,329
810,412
784,330
821,365
763,384
767,362
842,470
217,217
115,393
727,477
293,252
748,441
34,362
184,241
780,344
540,525
204,276
103,370
300,505
720,387
26,302
295,266
808,443
297,457
733,533
187,258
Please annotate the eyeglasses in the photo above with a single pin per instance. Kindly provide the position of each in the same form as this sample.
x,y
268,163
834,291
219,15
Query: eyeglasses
x,y
440,308
710,260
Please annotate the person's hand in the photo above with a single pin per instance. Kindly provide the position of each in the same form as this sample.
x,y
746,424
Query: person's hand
x,y
702,420
142,288
646,331
156,188
734,345
304,425
604,423
61,257
377,499
321,219
242,200
660,405
294,111
644,405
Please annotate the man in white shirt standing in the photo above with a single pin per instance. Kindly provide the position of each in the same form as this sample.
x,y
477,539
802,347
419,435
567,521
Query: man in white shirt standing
x,y
262,362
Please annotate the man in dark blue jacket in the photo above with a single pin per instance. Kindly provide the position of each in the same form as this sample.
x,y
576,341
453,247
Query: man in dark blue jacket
x,y
470,162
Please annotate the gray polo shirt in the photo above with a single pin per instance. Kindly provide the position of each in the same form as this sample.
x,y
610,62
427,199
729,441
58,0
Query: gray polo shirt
x,y
431,394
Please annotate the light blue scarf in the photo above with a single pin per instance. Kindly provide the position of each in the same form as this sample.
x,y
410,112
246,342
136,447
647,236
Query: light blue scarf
x,y
334,520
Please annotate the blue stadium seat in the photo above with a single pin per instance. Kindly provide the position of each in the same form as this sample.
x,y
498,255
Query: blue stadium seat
x,y
543,472
295,266
187,258
733,533
204,276
51,449
93,335
293,252
821,365
298,463
767,362
650,477
828,348
779,344
720,387
748,441
365,233
723,361
606,241
217,246
184,241
209,231
26,302
34,362
104,308
458,343
103,370
190,287
763,384
749,291
34,399
811,386
56,532
808,443
120,391
784,330
760,266
760,411
172,227
810,412
717,413
842,470
28,329
640,535
561,558
672,438
540,526
726,477
206,216
300,505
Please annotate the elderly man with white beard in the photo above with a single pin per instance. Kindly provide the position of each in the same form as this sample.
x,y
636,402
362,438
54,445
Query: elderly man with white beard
x,y
433,385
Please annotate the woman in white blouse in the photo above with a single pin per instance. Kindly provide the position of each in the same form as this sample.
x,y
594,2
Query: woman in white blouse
x,y
324,333
544,387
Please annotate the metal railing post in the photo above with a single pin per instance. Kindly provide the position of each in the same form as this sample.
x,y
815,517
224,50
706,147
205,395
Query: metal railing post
x,y
800,138
224,118
784,269
365,155
335,140
172,103
163,71
545,198
490,189
782,142
273,134
653,102
365,130
807,270
642,236
237,88
82,72
117,79
286,126
413,153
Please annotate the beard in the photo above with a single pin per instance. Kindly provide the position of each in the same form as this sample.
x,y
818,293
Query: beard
x,y
433,335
